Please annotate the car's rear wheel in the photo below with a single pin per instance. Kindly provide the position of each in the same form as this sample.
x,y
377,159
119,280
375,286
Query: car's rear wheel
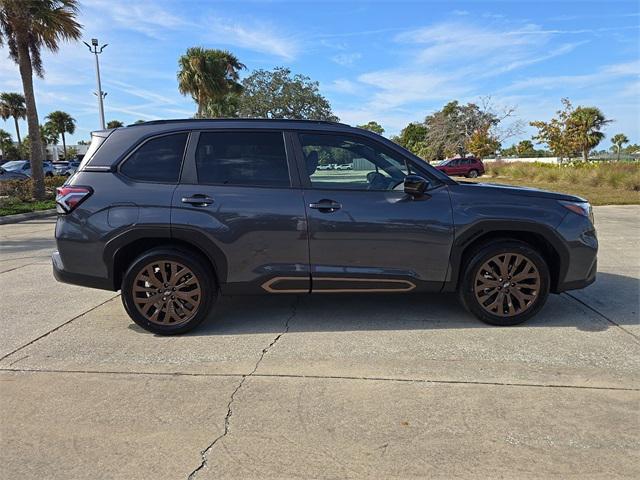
x,y
505,283
473,174
168,291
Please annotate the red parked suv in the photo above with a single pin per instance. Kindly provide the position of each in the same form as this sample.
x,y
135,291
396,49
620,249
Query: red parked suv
x,y
468,167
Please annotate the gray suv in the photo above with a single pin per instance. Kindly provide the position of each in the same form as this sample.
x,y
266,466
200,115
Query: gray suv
x,y
175,213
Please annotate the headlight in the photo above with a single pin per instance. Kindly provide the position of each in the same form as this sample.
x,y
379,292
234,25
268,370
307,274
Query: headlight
x,y
580,208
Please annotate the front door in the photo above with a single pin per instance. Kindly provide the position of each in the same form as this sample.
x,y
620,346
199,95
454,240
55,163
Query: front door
x,y
365,233
240,201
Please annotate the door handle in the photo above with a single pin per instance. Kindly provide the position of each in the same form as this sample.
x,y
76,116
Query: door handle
x,y
198,200
326,206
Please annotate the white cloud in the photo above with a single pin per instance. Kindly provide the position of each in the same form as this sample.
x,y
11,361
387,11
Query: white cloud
x,y
605,74
454,42
399,87
342,85
146,17
256,36
346,59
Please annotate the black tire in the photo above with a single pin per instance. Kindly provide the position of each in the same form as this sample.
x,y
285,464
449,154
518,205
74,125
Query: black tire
x,y
473,174
478,259
198,267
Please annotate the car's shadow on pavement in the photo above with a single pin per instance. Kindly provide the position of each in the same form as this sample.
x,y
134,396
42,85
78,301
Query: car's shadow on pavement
x,y
343,312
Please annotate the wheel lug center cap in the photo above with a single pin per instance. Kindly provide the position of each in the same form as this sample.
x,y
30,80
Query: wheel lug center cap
x,y
505,285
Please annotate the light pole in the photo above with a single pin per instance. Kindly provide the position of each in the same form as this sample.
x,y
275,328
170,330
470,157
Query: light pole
x,y
93,48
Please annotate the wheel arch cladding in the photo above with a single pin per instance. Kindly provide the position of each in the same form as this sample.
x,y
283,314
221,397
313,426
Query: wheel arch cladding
x,y
542,239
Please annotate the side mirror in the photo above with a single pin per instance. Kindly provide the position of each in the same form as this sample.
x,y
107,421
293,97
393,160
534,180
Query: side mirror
x,y
415,185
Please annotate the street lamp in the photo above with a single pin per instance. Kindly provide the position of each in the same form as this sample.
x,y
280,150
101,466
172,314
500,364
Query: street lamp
x,y
93,48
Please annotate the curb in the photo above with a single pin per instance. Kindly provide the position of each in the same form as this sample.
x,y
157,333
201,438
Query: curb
x,y
21,217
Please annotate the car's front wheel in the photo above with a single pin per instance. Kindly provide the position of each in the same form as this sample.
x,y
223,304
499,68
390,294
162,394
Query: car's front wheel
x,y
168,291
505,283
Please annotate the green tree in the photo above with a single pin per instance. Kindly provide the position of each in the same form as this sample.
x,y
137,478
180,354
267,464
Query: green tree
x,y
556,133
450,129
584,126
618,140
27,27
6,141
481,143
412,137
49,134
208,76
72,153
372,127
226,106
525,148
12,105
61,123
137,122
115,124
278,94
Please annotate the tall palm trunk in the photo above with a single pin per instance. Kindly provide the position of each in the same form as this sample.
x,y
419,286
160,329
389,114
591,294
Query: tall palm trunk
x,y
64,146
585,154
619,148
24,62
15,119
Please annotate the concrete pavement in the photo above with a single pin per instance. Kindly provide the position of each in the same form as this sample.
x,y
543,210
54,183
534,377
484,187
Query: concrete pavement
x,y
324,387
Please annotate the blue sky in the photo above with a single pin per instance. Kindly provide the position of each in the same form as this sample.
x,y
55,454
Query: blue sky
x,y
393,62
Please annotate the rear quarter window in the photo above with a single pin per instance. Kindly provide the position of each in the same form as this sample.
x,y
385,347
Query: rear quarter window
x,y
157,160
243,159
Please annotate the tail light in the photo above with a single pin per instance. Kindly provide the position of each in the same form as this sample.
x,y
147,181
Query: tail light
x,y
68,198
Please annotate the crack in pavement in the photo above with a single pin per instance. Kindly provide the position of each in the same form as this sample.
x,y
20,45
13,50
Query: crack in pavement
x,y
597,312
205,453
321,377
21,266
55,329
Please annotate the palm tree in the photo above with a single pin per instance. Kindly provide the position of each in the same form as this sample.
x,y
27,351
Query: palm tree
x,y
115,124
12,105
584,125
61,123
6,141
27,27
49,136
208,76
618,140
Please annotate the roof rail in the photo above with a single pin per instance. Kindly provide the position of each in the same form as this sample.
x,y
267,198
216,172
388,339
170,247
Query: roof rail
x,y
207,120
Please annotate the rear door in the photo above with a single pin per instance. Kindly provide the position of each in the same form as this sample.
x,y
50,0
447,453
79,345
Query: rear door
x,y
240,200
365,233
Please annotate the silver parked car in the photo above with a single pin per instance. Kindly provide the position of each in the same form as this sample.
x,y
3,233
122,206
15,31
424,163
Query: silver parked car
x,y
66,168
6,175
24,167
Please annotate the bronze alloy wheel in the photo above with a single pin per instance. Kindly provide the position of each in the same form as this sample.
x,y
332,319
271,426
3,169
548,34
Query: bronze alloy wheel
x,y
167,293
507,284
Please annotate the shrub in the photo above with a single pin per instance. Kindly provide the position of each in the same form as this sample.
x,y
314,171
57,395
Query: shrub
x,y
617,175
21,189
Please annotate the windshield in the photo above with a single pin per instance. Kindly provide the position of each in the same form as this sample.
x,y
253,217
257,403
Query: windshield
x,y
14,165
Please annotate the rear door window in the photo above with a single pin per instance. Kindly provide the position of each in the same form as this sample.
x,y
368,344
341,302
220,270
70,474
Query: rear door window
x,y
157,160
242,159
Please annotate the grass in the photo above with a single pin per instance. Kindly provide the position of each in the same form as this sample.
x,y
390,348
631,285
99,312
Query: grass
x,y
602,183
13,206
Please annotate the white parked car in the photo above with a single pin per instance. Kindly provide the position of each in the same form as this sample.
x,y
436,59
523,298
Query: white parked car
x,y
345,166
325,167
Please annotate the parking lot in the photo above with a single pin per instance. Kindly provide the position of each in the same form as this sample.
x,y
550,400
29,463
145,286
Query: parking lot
x,y
393,386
